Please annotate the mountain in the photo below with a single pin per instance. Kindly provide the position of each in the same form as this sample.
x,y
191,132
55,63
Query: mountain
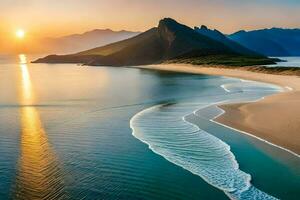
x,y
217,35
169,41
270,42
79,42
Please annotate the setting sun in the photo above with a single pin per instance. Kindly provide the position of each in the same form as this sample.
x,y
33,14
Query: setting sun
x,y
20,33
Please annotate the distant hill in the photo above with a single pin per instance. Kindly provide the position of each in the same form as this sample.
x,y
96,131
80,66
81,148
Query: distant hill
x,y
79,42
169,41
270,42
217,35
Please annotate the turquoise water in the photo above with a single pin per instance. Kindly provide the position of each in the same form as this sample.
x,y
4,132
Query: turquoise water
x,y
73,132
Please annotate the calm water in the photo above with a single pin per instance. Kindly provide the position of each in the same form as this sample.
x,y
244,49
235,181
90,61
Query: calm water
x,y
72,132
289,62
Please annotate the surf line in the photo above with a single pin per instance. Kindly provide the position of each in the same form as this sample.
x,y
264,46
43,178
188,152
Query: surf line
x,y
228,190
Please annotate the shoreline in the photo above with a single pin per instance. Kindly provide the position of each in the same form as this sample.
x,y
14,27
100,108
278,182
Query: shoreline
x,y
250,134
275,119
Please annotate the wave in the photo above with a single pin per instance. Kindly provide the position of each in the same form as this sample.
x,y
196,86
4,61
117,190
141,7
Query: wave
x,y
250,86
184,144
166,130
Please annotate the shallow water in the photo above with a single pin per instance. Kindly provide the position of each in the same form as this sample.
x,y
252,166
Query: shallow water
x,y
65,134
289,62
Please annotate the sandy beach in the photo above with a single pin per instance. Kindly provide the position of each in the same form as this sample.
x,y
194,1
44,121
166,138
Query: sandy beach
x,y
275,118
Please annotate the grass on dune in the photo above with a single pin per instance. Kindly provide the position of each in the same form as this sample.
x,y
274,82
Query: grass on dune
x,y
227,60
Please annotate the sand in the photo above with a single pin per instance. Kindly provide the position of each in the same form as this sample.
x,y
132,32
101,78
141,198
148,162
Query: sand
x,y
275,118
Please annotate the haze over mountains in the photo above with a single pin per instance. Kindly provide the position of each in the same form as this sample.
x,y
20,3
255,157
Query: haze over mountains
x,y
169,41
270,42
79,42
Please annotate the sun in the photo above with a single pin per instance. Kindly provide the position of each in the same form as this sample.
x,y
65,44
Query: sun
x,y
20,33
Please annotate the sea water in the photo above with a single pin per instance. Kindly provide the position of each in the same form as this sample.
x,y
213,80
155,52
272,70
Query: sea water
x,y
78,132
287,62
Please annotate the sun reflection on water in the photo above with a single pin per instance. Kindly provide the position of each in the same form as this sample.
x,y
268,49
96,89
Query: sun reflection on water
x,y
26,90
39,174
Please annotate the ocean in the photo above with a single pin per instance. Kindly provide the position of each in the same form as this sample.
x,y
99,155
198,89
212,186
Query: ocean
x,y
288,62
79,132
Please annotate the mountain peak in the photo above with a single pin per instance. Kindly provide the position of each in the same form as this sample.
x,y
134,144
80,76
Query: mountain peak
x,y
166,30
95,31
203,27
167,21
239,32
170,40
170,23
214,34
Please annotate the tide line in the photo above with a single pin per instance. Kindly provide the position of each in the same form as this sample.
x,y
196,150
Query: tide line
x,y
283,89
251,135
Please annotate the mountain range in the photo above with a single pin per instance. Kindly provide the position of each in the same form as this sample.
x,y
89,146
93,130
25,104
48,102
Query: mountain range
x,y
169,41
217,35
79,42
270,42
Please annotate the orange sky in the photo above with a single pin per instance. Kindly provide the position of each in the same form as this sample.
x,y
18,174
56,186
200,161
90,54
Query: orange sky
x,y
43,18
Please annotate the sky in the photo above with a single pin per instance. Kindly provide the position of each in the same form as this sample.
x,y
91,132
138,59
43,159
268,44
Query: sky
x,y
54,18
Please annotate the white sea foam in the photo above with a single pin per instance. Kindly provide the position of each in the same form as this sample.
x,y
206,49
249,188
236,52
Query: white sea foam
x,y
249,86
224,86
165,129
168,134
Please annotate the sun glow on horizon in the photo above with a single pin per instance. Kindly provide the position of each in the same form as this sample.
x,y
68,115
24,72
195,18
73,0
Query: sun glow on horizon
x,y
20,33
